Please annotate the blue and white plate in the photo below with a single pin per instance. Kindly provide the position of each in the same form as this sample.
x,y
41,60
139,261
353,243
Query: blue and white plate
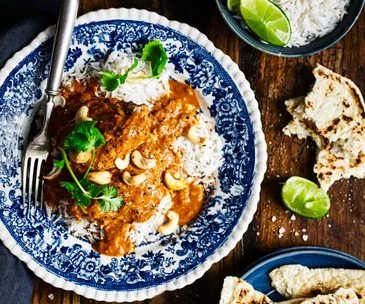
x,y
310,256
169,263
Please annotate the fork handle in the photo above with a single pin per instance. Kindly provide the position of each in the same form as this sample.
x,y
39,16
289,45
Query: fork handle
x,y
62,39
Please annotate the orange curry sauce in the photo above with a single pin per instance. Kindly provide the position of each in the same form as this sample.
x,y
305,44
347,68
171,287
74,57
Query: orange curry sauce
x,y
127,128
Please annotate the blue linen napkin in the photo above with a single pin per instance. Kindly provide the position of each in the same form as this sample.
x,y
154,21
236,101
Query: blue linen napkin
x,y
20,22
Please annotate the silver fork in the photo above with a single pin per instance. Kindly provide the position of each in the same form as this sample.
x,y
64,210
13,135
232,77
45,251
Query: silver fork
x,y
38,149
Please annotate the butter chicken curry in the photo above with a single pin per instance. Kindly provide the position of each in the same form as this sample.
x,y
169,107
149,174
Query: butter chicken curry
x,y
138,157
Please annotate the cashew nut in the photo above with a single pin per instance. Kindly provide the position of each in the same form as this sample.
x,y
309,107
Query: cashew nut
x,y
122,163
173,183
100,177
81,115
53,173
171,225
59,101
133,180
79,157
193,136
142,162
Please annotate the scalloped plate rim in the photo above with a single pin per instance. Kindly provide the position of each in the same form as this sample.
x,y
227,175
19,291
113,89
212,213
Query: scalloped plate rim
x,y
260,158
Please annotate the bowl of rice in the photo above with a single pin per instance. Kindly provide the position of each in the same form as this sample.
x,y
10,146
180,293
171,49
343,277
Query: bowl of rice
x,y
316,25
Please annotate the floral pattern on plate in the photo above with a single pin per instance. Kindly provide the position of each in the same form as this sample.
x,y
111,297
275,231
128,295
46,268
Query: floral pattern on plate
x,y
169,257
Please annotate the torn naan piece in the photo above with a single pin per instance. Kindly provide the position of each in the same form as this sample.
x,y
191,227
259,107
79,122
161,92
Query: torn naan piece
x,y
237,291
333,115
297,281
341,296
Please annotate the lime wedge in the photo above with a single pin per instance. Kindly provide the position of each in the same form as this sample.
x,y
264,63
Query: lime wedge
x,y
303,197
232,3
267,21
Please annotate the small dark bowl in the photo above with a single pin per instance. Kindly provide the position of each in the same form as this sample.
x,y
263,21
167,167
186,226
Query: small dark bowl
x,y
318,45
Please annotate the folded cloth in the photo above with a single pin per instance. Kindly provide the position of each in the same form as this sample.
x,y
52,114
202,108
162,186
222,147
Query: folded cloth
x,y
16,280
20,22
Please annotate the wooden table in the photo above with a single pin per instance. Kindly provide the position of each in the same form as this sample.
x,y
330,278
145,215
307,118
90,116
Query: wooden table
x,y
274,80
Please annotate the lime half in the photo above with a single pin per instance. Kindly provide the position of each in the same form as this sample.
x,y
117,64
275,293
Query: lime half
x,y
303,197
267,20
232,3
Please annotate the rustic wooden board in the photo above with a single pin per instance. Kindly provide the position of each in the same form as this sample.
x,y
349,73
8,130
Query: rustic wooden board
x,y
274,80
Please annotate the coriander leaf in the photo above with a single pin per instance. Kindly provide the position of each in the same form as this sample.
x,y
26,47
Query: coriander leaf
x,y
110,199
123,78
59,163
70,186
109,80
155,52
97,138
83,191
77,182
108,204
85,183
92,189
84,137
95,190
76,142
80,198
110,191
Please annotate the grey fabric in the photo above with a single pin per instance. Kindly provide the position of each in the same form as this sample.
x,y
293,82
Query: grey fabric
x,y
16,280
20,22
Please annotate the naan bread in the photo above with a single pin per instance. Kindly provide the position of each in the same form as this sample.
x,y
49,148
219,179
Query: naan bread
x,y
297,281
341,296
333,115
237,291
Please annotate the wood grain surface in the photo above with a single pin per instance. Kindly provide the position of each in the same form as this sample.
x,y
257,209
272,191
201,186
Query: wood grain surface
x,y
274,80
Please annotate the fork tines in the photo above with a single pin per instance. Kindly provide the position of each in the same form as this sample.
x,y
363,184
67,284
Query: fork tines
x,y
32,181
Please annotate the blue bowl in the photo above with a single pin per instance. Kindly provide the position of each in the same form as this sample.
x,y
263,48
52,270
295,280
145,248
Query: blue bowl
x,y
318,45
310,256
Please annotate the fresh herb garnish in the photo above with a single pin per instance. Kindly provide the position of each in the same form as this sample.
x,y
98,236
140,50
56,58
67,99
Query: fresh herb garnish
x,y
84,137
83,191
59,163
153,52
123,78
110,199
81,199
111,80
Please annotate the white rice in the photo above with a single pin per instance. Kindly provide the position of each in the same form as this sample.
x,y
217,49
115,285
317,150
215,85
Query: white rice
x,y
200,161
81,229
311,19
146,231
138,92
